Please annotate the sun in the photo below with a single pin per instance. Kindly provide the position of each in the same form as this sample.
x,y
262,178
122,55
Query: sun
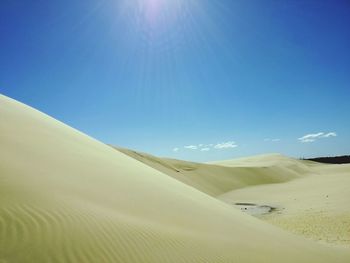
x,y
153,10
156,13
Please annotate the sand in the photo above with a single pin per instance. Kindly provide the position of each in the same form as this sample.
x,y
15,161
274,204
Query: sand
x,y
315,206
66,197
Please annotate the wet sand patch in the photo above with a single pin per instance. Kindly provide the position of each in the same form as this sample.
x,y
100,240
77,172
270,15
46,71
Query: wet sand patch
x,y
255,209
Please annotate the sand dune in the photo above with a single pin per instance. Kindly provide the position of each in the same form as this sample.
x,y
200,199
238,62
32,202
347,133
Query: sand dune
x,y
315,207
65,197
218,178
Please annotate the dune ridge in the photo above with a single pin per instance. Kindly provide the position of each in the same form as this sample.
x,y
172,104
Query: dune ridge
x,y
66,197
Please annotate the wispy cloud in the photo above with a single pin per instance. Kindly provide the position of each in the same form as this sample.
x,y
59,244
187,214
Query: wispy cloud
x,y
316,136
226,145
191,147
330,134
310,137
206,149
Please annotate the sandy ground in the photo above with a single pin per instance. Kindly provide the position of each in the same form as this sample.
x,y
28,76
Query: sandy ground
x,y
65,197
316,206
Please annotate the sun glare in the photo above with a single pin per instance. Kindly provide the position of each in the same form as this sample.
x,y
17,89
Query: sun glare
x,y
152,8
157,13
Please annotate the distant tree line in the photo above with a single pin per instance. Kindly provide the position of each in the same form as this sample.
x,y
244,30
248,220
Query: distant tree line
x,y
332,160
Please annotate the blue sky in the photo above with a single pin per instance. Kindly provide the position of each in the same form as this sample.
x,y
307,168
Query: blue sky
x,y
236,77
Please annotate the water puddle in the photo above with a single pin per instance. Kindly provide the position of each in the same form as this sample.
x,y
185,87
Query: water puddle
x,y
255,209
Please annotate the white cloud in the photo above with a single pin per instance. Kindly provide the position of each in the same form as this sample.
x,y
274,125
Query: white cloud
x,y
207,147
308,140
191,147
175,149
330,134
276,140
311,135
315,136
226,145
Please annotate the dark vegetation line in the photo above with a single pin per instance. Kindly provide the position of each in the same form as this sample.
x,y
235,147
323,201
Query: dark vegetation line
x,y
332,160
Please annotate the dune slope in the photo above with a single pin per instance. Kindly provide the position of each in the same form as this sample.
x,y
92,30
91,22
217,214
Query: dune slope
x,y
65,197
218,178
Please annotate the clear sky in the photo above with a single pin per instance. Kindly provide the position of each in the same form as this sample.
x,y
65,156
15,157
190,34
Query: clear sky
x,y
191,79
